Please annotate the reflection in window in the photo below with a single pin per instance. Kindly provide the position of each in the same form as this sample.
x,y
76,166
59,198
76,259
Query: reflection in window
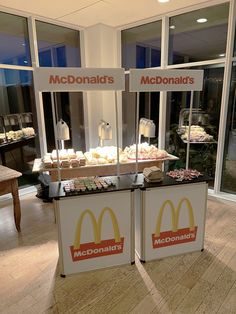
x,y
58,46
141,46
148,108
14,40
190,41
17,118
206,115
69,108
229,163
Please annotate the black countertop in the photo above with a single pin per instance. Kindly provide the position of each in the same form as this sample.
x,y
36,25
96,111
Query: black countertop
x,y
124,182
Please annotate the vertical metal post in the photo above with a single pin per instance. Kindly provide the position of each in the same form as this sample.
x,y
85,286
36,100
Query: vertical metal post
x,y
136,133
55,135
117,134
189,130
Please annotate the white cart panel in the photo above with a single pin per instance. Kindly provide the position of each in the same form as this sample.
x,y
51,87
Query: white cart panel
x,y
174,220
95,231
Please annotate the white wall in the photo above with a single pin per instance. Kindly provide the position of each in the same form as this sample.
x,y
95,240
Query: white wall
x,y
101,51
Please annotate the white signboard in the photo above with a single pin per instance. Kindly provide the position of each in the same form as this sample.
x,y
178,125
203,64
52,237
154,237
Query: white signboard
x,y
79,79
174,220
94,231
165,80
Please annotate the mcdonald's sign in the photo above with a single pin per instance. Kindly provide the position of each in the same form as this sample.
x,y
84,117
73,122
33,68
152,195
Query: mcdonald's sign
x,y
174,236
82,251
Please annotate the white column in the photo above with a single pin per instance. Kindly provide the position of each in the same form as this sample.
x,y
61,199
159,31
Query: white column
x,y
101,51
38,95
163,95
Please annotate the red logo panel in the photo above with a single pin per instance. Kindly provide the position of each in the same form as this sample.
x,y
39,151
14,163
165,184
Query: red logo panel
x,y
169,238
92,250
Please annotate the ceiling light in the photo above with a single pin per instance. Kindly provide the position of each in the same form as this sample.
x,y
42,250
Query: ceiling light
x,y
163,1
202,20
25,61
172,26
222,55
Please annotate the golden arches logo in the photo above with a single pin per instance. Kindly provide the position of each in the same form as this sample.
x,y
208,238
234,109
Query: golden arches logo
x,y
99,247
175,235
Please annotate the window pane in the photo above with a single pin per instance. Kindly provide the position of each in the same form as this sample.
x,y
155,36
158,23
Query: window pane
x,y
229,166
190,41
14,40
148,108
58,46
206,115
141,46
69,108
18,119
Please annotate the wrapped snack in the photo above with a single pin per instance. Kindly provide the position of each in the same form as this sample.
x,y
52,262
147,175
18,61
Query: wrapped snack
x,y
80,156
47,163
153,174
123,158
54,163
54,155
65,163
71,153
28,131
63,155
102,161
74,163
14,135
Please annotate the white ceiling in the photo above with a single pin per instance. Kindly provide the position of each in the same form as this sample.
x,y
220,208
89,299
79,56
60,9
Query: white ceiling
x,y
89,12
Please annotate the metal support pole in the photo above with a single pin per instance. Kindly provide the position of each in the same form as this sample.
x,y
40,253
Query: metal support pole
x,y
55,135
189,129
136,132
117,135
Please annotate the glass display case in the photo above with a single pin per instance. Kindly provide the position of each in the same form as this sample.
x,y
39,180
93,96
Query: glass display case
x,y
14,127
15,132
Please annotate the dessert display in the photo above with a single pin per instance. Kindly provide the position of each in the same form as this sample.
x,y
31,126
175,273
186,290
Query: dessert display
x,y
12,126
103,155
17,135
2,138
67,158
184,174
197,134
145,152
86,184
108,154
14,135
153,174
29,131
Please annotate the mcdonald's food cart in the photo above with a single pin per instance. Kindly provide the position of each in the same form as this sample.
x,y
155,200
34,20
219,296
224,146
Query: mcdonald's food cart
x,y
96,225
171,218
94,218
